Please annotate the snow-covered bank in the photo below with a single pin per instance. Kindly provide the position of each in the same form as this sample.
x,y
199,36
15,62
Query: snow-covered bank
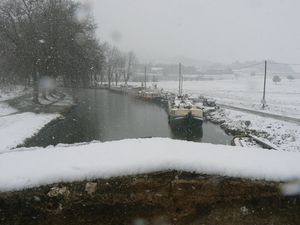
x,y
66,163
15,128
285,135
25,118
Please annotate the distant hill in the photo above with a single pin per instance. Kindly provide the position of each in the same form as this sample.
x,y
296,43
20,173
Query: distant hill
x,y
186,61
258,66
195,66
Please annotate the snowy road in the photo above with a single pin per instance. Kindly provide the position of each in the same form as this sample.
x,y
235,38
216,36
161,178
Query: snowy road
x,y
264,114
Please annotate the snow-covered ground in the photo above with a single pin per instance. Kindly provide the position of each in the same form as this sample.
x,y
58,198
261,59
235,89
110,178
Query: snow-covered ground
x,y
25,168
15,128
246,92
285,135
11,92
5,109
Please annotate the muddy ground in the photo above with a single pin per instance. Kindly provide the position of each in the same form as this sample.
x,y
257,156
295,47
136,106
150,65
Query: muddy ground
x,y
169,197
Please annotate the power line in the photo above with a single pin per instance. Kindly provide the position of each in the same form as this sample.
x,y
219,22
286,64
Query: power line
x,y
248,66
289,64
285,73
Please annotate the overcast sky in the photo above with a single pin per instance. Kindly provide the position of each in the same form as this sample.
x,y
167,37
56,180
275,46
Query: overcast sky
x,y
216,30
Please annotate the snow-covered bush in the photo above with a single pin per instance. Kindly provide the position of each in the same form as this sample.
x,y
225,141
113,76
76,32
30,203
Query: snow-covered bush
x,y
276,79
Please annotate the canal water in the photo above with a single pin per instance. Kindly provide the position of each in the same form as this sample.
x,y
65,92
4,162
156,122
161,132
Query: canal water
x,y
106,116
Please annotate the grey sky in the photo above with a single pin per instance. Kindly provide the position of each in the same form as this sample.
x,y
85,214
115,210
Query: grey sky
x,y
217,30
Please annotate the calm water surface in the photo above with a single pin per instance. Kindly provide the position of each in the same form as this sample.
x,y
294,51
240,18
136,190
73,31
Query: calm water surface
x,y
106,116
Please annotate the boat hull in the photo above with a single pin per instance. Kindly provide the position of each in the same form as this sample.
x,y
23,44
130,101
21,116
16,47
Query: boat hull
x,y
189,121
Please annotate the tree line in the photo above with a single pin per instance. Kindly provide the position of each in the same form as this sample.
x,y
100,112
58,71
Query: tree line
x,y
55,40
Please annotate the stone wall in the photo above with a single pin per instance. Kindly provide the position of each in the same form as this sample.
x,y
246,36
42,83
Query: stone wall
x,y
170,197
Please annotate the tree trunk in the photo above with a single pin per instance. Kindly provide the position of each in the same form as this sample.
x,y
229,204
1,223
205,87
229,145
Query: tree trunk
x,y
125,78
101,78
109,79
36,87
95,80
44,94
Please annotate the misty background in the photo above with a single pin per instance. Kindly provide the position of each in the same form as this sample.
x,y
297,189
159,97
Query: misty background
x,y
214,30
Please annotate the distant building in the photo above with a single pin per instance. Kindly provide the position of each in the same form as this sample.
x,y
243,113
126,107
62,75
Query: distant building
x,y
157,71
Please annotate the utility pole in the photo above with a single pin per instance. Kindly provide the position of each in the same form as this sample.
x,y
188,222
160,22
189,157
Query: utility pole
x,y
263,101
145,77
180,80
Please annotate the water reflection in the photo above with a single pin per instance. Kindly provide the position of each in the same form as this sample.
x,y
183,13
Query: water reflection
x,y
105,116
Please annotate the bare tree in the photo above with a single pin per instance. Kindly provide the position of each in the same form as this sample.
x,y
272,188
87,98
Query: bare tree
x,y
45,39
120,61
131,63
114,64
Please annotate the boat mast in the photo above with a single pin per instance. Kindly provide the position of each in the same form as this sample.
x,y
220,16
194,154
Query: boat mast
x,y
180,80
145,77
